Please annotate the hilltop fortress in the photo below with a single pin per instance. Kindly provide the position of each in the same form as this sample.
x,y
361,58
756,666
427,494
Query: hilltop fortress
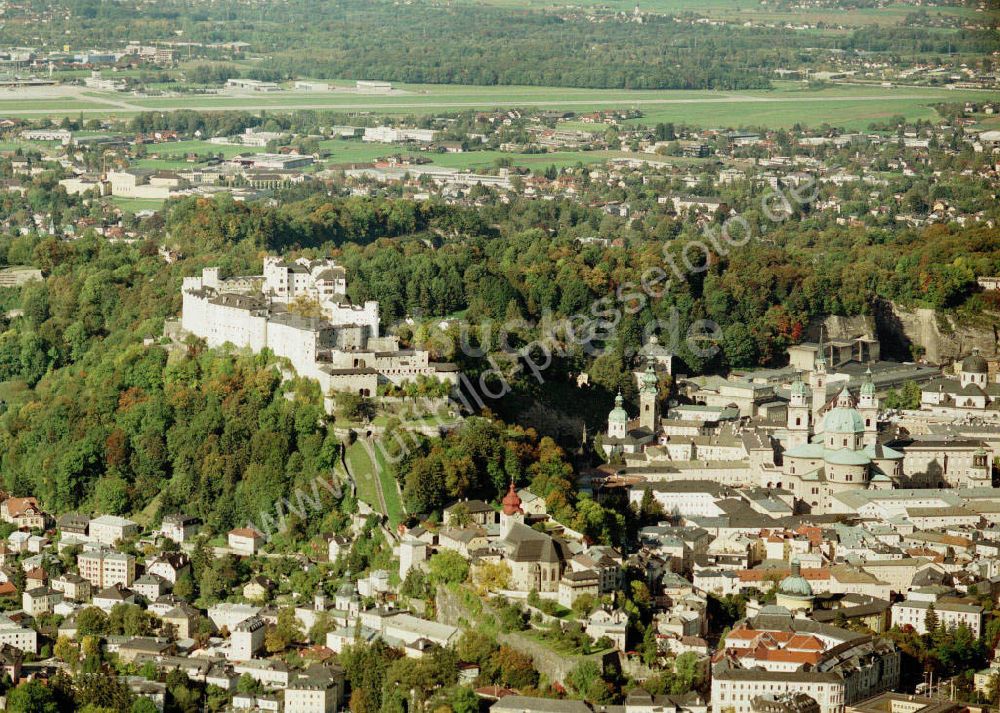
x,y
341,347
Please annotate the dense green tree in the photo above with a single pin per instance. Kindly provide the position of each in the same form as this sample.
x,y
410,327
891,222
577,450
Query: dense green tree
x,y
32,697
448,567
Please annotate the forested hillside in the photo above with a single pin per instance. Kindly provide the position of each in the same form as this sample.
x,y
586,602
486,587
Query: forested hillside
x,y
483,45
94,416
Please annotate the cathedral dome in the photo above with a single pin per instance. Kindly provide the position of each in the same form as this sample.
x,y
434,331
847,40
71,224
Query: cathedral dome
x,y
795,585
843,420
618,414
975,364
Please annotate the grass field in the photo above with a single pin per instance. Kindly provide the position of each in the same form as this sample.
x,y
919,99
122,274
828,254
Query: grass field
x,y
847,114
361,468
365,472
172,156
846,105
852,106
134,205
385,474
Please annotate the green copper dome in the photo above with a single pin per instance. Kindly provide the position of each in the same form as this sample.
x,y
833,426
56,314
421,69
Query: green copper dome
x,y
843,420
798,387
618,414
795,585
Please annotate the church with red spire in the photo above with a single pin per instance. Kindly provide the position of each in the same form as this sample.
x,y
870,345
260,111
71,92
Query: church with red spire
x,y
510,511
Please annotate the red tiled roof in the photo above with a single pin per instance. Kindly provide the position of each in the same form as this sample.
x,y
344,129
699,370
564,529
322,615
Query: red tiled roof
x,y
804,642
780,655
16,507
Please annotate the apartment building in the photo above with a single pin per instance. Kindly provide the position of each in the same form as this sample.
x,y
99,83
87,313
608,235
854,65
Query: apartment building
x,y
105,568
949,614
109,529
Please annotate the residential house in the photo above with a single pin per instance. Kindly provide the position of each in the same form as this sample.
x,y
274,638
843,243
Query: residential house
x,y
575,584
35,577
72,586
150,587
170,566
258,588
40,600
74,526
337,546
245,541
318,689
18,635
226,615
184,618
144,688
107,598
179,528
23,513
466,513
949,614
130,650
11,659
246,639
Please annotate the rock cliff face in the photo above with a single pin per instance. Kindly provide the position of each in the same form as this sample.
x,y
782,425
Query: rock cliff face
x,y
908,334
838,327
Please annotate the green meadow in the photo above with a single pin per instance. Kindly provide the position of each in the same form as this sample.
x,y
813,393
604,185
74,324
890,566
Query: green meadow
x,y
851,106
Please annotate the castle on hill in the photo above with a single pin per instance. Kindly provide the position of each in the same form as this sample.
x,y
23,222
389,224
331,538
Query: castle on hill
x,y
300,310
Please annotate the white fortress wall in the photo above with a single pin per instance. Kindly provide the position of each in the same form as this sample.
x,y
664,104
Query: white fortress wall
x,y
367,316
295,344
